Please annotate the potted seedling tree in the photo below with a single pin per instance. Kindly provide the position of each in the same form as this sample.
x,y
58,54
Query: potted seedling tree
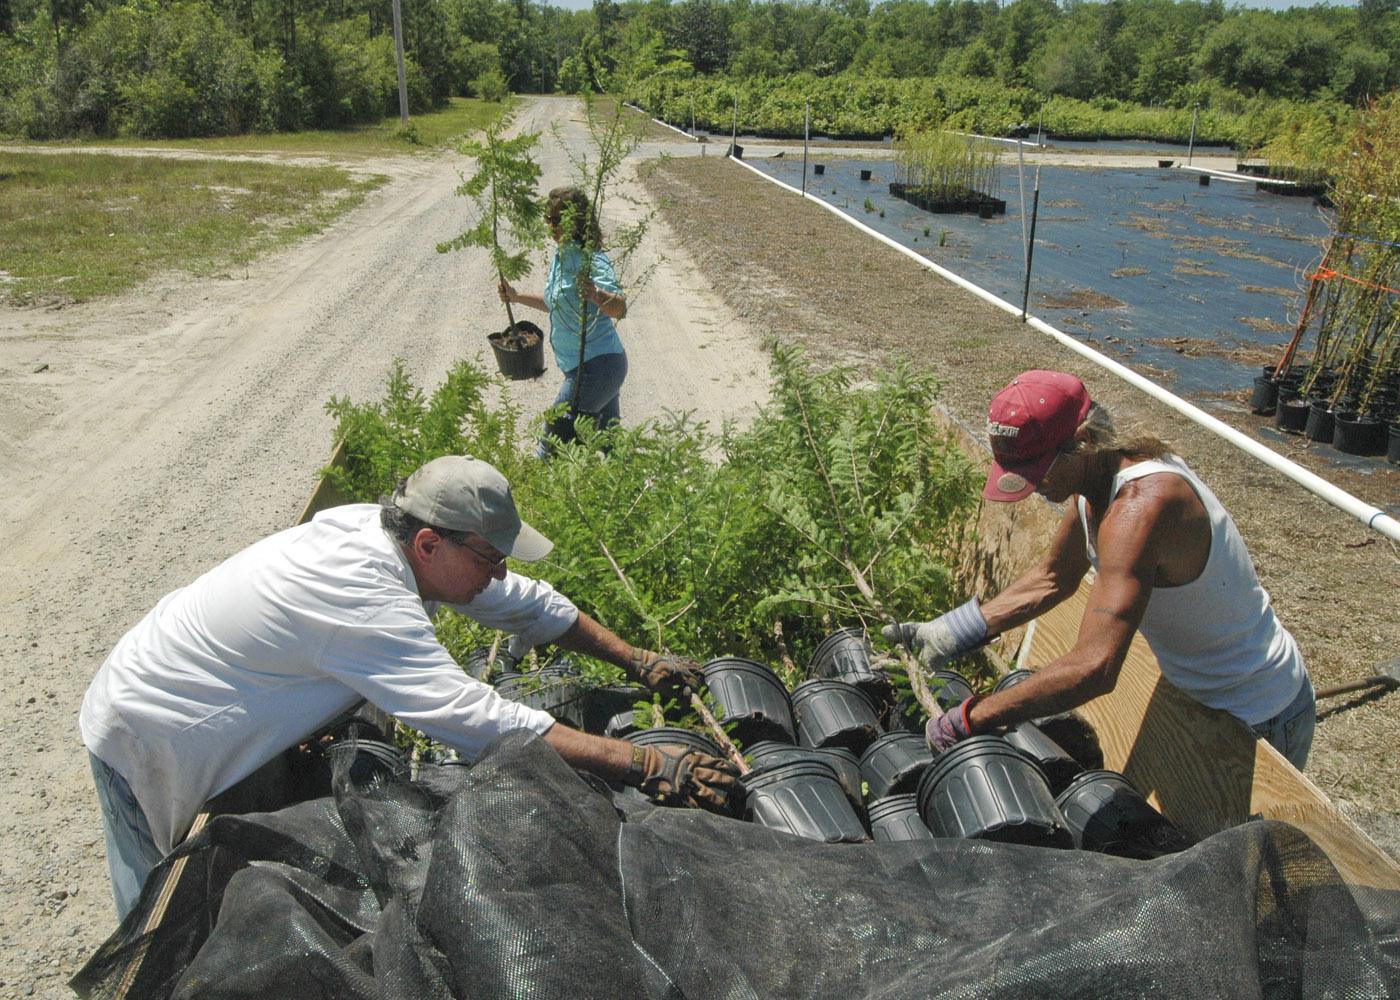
x,y
511,227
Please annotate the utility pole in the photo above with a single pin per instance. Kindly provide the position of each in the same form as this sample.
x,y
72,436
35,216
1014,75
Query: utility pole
x,y
398,52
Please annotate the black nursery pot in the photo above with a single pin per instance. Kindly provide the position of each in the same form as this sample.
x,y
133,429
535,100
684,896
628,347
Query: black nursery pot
x,y
846,655
954,689
894,763
804,798
819,168
1265,395
1106,813
552,689
1058,766
621,725
752,698
896,818
865,175
371,762
1012,679
843,762
834,714
1320,421
1353,435
1291,415
985,789
519,363
478,659
673,736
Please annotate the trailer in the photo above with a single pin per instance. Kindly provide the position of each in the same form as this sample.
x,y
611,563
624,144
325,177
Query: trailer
x,y
1212,780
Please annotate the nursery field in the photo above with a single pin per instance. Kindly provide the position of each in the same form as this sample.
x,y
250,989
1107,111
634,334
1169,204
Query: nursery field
x,y
1198,286
148,435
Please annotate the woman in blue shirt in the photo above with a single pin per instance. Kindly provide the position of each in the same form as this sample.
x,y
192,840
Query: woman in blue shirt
x,y
589,353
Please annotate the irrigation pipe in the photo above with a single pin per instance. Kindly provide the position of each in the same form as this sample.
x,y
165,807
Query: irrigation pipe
x,y
1373,517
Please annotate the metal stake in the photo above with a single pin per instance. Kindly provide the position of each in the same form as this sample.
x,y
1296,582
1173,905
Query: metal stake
x,y
806,138
1030,247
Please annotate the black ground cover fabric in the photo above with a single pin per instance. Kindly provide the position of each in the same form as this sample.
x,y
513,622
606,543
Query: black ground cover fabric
x,y
517,878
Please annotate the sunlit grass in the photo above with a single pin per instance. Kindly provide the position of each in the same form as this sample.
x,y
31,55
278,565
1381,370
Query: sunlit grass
x,y
78,225
425,133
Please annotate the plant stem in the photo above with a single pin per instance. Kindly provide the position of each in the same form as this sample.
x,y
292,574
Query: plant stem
x,y
721,737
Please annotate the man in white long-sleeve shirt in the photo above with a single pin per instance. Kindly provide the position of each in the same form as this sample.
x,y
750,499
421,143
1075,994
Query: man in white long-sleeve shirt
x,y
282,638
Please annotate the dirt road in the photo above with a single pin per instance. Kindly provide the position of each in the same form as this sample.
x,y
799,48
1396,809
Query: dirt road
x,y
147,438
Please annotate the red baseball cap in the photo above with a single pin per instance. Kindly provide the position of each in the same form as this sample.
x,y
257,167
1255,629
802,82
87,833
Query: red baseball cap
x,y
1027,422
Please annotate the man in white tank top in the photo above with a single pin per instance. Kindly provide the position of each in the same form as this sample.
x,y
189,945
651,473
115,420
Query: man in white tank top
x,y
1169,560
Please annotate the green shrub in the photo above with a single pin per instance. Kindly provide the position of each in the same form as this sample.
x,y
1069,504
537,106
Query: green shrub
x,y
491,86
666,545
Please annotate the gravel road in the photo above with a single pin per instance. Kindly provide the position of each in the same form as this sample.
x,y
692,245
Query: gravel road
x,y
147,438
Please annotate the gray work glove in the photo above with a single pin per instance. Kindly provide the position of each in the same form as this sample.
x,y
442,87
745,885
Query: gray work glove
x,y
678,776
947,637
665,673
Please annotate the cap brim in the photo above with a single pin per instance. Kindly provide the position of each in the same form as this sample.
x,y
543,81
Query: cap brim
x,y
1007,483
527,545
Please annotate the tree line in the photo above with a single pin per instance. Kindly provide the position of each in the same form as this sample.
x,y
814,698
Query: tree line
x,y
202,67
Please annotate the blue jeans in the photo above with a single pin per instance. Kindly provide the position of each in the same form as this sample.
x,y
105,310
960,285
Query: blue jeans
x,y
1291,731
131,851
600,386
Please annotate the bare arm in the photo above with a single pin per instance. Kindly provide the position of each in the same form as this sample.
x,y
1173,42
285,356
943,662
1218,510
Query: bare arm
x,y
508,293
611,304
1053,580
590,638
1135,532
607,758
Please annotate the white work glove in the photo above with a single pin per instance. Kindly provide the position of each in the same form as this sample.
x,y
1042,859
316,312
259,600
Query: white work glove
x,y
947,637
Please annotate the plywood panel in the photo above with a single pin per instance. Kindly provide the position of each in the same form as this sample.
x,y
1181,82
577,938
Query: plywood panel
x,y
1201,767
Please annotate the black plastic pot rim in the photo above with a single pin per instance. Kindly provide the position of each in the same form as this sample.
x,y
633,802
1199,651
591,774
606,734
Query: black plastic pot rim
x,y
810,688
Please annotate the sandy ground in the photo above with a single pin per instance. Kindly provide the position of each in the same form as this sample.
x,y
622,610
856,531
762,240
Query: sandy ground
x,y
148,437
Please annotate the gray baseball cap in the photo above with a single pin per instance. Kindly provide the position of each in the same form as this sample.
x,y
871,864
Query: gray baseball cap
x,y
462,493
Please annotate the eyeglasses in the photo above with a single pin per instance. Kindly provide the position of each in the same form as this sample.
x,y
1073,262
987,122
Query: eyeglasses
x,y
494,562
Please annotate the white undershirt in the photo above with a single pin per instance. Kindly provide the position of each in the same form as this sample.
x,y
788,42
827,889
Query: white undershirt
x,y
1217,637
275,642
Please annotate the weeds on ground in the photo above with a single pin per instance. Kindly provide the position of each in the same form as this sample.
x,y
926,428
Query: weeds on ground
x,y
437,129
79,225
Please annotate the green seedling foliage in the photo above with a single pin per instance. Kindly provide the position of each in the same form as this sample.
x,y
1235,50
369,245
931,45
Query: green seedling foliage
x,y
697,542
503,189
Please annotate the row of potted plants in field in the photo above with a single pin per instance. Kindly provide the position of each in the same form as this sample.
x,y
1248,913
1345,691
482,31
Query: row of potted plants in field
x,y
1347,391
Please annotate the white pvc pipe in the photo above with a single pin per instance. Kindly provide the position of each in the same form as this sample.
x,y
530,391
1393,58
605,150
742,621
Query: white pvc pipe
x,y
1370,515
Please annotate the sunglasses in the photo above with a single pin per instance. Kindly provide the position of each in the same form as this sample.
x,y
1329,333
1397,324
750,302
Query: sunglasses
x,y
495,562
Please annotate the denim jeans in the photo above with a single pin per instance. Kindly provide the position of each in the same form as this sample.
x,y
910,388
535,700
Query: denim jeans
x,y
1291,731
600,387
131,851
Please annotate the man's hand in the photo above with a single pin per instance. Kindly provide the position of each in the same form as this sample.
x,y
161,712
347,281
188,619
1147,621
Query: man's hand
x,y
950,727
947,637
666,674
677,776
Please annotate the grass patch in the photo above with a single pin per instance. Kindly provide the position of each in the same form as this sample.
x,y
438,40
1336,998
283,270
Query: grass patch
x,y
462,117
82,225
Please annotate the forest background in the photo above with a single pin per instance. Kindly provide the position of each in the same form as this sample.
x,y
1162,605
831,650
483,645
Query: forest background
x,y
1122,68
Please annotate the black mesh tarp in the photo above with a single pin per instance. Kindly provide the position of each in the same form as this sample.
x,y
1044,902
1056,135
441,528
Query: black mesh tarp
x,y
517,878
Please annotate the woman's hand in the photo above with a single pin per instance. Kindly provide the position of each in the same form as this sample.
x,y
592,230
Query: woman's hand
x,y
506,292
610,304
